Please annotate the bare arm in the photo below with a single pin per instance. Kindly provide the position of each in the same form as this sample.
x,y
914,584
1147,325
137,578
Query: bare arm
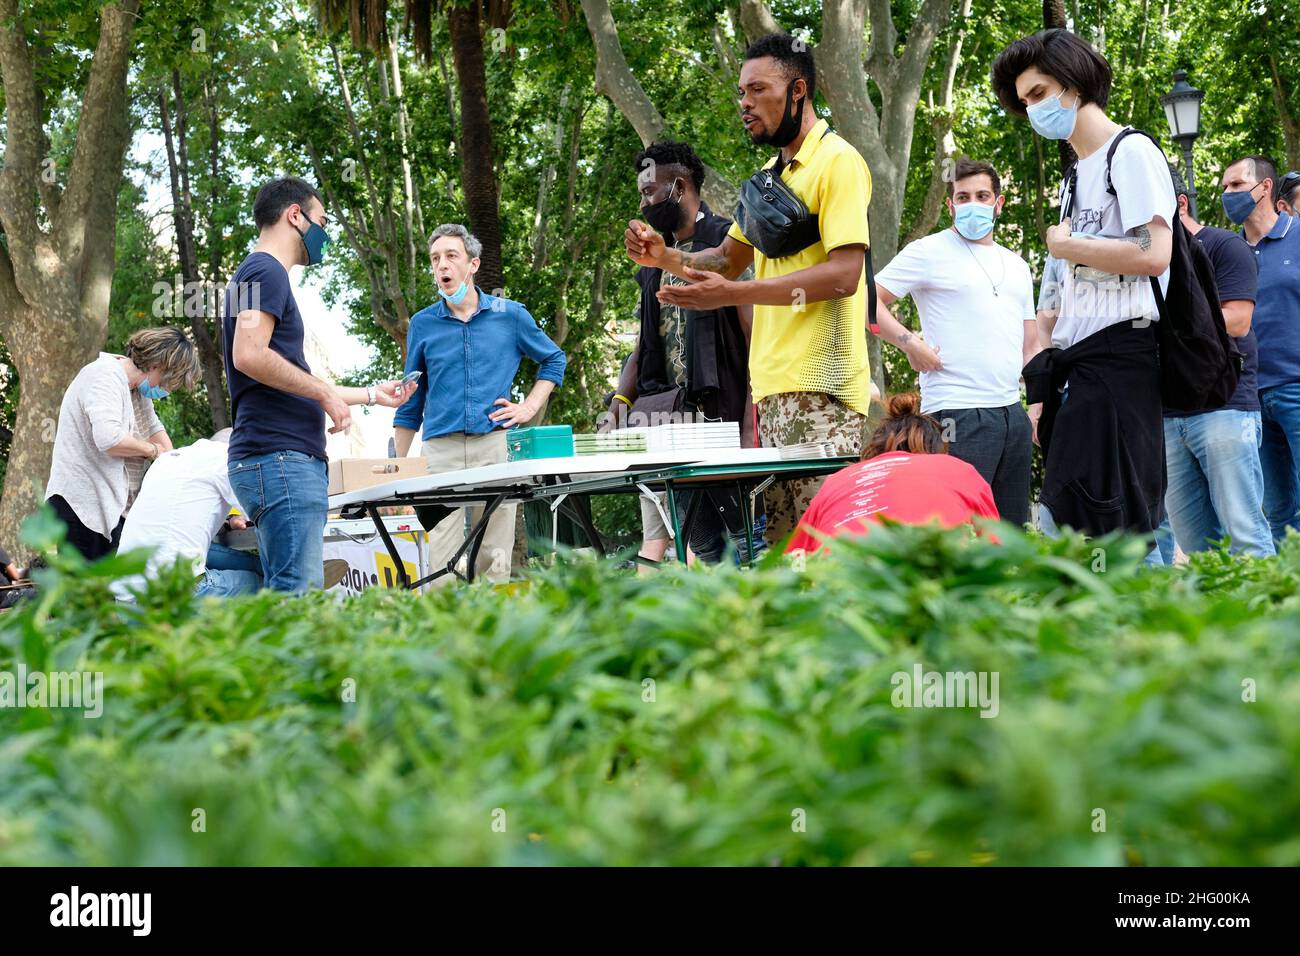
x,y
251,354
1144,253
402,438
1032,345
919,354
1237,314
646,247
835,278
1046,322
132,447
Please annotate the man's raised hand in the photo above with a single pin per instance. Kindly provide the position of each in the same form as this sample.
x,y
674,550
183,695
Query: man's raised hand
x,y
644,246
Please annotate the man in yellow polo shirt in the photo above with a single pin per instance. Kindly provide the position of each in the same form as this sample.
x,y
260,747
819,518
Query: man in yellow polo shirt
x,y
808,352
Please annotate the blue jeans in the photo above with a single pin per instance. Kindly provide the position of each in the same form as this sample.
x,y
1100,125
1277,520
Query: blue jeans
x,y
218,583
1216,484
285,494
1279,456
222,557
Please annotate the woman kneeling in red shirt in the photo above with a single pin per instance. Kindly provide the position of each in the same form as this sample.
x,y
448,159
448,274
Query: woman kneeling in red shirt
x,y
906,475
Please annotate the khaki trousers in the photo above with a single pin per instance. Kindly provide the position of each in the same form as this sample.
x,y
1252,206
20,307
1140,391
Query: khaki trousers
x,y
451,453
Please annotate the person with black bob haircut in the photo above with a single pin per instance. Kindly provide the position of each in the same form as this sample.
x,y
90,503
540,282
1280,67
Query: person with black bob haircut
x,y
1101,425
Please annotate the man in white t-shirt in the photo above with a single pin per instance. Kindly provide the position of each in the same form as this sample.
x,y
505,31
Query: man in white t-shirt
x,y
1100,380
976,302
182,504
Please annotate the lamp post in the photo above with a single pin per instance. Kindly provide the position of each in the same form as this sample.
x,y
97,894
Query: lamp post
x,y
1183,111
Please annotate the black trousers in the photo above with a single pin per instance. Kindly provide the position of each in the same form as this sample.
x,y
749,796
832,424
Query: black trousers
x,y
998,443
91,544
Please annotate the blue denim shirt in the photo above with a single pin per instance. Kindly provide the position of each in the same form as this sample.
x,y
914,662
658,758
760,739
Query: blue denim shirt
x,y
467,366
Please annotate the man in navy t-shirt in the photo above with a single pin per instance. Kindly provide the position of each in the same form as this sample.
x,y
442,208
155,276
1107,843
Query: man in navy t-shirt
x,y
277,451
1216,484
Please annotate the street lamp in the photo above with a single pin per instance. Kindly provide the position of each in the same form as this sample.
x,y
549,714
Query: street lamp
x,y
1183,111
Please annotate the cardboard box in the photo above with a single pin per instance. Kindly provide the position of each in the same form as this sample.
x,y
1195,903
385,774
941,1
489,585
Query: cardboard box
x,y
351,474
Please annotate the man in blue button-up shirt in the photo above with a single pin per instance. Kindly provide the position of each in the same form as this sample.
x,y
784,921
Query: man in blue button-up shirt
x,y
467,347
1248,200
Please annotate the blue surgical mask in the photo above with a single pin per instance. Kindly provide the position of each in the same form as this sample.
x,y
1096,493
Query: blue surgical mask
x,y
152,391
1051,120
974,220
314,238
457,297
1239,205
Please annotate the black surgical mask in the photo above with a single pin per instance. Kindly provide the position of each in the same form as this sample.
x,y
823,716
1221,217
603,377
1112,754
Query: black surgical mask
x,y
664,216
791,121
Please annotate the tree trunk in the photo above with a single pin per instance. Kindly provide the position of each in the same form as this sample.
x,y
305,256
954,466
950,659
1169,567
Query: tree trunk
x,y
945,145
56,275
615,80
477,163
210,359
1290,126
1054,17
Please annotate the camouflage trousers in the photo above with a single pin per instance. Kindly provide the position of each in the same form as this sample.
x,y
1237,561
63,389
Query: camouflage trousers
x,y
789,418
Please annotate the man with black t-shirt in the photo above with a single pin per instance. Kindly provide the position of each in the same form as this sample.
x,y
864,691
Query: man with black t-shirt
x,y
277,450
1216,484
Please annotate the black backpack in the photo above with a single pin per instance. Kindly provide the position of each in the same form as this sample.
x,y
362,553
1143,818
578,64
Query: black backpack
x,y
1199,361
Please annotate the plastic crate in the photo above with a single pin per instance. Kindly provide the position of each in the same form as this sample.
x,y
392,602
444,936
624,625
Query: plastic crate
x,y
542,441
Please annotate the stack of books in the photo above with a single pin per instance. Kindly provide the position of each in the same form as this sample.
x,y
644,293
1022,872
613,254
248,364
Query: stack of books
x,y
808,449
685,437
693,436
622,441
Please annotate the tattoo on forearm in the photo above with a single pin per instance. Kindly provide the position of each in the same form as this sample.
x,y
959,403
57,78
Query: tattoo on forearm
x,y
1141,237
904,338
705,262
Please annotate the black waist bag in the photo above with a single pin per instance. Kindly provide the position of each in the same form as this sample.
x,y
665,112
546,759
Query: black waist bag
x,y
773,218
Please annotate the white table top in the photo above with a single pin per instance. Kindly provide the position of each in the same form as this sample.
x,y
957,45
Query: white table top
x,y
509,474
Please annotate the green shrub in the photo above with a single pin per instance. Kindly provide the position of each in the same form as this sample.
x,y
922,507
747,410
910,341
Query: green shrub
x,y
1121,690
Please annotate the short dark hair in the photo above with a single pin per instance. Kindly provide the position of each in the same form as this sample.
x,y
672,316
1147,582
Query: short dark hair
x,y
1060,54
278,195
1180,184
671,153
972,167
1261,168
794,55
1288,195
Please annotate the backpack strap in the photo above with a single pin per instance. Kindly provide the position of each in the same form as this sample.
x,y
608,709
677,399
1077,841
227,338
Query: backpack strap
x,y
1110,188
1114,145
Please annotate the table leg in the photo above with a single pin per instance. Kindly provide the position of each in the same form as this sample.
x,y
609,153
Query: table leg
x,y
677,526
475,539
388,543
747,517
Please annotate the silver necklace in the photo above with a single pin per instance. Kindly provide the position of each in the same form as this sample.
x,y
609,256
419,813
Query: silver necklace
x,y
1001,276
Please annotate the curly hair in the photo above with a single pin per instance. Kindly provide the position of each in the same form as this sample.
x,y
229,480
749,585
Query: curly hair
x,y
905,428
671,153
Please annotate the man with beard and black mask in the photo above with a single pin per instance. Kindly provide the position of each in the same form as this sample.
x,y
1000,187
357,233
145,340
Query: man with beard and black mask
x,y
686,365
808,350
277,458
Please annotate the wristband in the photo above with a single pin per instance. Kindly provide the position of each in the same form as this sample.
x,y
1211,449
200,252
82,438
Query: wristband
x,y
370,395
624,399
